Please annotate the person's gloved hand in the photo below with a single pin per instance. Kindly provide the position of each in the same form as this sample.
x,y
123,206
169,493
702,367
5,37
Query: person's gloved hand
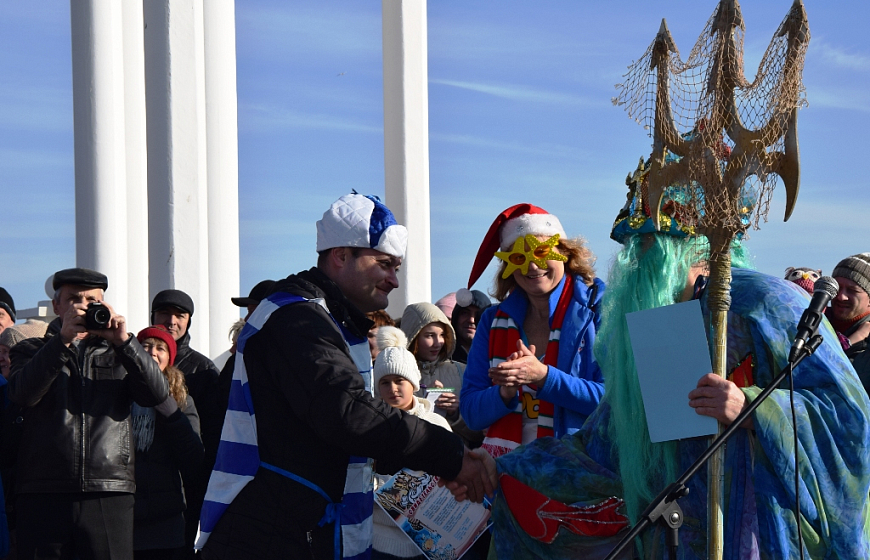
x,y
167,408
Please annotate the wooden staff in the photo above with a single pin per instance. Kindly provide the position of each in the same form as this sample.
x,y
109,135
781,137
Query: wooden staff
x,y
715,173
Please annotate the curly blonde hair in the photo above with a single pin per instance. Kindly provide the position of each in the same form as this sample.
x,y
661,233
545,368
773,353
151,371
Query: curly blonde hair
x,y
581,263
177,386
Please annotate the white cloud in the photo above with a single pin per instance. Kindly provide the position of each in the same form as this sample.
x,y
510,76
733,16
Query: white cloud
x,y
548,150
521,93
838,56
263,117
839,99
311,28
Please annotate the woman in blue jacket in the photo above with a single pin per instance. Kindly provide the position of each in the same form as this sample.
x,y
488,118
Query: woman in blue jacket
x,y
531,372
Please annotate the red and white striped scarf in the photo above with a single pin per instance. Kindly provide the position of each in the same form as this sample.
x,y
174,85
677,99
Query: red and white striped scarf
x,y
506,434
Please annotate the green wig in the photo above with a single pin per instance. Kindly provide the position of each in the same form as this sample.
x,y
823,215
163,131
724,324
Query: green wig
x,y
650,271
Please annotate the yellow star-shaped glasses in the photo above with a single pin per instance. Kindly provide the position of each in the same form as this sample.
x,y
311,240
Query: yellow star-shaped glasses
x,y
539,253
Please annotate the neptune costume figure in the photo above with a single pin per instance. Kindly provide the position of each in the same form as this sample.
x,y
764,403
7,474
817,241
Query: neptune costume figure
x,y
546,483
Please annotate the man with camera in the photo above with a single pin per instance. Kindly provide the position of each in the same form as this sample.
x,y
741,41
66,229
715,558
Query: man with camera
x,y
75,484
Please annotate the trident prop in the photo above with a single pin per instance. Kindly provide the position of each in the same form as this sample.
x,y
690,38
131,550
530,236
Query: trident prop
x,y
731,139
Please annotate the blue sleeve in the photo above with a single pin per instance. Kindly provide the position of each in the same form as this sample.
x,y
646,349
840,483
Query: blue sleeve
x,y
573,393
480,403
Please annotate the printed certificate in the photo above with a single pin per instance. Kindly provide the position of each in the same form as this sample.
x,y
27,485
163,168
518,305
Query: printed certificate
x,y
441,527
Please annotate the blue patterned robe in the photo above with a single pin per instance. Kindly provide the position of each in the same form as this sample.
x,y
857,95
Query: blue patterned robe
x,y
833,430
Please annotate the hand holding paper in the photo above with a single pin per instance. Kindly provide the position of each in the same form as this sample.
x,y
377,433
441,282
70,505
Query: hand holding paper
x,y
720,399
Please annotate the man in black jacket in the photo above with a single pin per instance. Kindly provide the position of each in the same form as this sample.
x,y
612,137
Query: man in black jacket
x,y
74,491
174,310
302,353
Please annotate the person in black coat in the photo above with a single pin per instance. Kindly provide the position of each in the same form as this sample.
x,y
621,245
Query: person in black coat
x,y
75,474
169,451
173,309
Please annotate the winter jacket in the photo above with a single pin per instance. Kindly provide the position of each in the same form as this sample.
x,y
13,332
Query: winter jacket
x,y
574,386
202,379
203,384
77,400
174,455
313,413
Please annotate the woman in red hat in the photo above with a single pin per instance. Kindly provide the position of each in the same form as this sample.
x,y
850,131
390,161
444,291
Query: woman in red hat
x,y
531,372
168,450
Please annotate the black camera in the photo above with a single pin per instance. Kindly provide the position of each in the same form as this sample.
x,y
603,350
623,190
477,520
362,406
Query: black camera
x,y
97,316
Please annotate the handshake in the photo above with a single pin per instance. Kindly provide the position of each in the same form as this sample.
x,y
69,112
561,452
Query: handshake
x,y
477,478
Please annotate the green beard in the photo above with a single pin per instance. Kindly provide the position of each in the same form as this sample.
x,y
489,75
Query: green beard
x,y
650,271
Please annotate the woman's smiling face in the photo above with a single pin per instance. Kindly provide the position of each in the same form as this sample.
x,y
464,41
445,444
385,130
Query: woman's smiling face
x,y
541,281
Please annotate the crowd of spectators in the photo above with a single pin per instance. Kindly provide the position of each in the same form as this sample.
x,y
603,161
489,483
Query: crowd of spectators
x,y
108,439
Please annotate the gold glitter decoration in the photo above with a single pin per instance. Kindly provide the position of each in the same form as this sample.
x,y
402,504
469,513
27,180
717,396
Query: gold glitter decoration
x,y
539,253
636,222
664,222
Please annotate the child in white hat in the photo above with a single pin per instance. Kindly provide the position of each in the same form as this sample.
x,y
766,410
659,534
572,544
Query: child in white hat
x,y
396,378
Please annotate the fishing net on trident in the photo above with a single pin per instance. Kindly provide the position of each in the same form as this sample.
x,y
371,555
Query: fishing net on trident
x,y
719,143
718,137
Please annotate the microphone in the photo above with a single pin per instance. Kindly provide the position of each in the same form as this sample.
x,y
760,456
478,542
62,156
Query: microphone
x,y
825,290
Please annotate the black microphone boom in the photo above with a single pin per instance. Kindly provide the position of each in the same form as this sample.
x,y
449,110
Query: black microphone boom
x,y
825,290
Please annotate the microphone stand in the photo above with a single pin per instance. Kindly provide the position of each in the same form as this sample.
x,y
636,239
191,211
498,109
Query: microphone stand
x,y
664,509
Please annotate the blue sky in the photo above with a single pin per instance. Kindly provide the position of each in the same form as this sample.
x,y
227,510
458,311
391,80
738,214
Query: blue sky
x,y
519,111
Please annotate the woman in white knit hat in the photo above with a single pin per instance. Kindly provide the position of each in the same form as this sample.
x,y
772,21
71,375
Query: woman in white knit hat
x,y
396,379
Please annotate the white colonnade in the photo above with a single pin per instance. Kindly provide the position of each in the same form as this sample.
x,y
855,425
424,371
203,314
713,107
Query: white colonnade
x,y
158,210
156,152
406,142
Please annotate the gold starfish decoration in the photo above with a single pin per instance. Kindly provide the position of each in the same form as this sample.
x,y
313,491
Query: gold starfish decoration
x,y
542,251
539,253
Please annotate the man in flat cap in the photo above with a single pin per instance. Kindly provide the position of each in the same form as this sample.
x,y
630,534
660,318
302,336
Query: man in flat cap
x,y
75,479
174,310
7,310
297,482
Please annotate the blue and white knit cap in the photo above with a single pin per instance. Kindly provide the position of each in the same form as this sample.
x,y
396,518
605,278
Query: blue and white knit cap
x,y
356,220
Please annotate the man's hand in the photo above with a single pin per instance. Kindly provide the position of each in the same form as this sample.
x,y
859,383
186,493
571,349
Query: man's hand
x,y
476,479
72,324
116,331
521,368
719,398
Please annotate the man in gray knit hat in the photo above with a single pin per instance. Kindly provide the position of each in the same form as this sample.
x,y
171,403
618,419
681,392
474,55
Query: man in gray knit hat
x,y
849,313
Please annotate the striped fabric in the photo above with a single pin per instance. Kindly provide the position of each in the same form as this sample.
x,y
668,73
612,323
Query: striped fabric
x,y
506,434
238,457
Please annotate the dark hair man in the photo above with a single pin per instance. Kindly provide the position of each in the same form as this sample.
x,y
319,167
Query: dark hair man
x,y
305,362
470,305
174,310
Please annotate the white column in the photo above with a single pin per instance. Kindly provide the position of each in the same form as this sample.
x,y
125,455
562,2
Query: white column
x,y
177,174
98,120
138,302
406,141
223,169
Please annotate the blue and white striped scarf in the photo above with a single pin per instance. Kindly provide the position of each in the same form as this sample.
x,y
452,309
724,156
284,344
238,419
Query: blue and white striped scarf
x,y
238,457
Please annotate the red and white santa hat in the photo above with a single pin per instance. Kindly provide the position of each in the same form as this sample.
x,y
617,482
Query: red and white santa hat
x,y
515,222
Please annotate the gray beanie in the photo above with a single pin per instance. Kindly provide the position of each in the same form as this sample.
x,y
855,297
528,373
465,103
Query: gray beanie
x,y
32,328
856,268
394,358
